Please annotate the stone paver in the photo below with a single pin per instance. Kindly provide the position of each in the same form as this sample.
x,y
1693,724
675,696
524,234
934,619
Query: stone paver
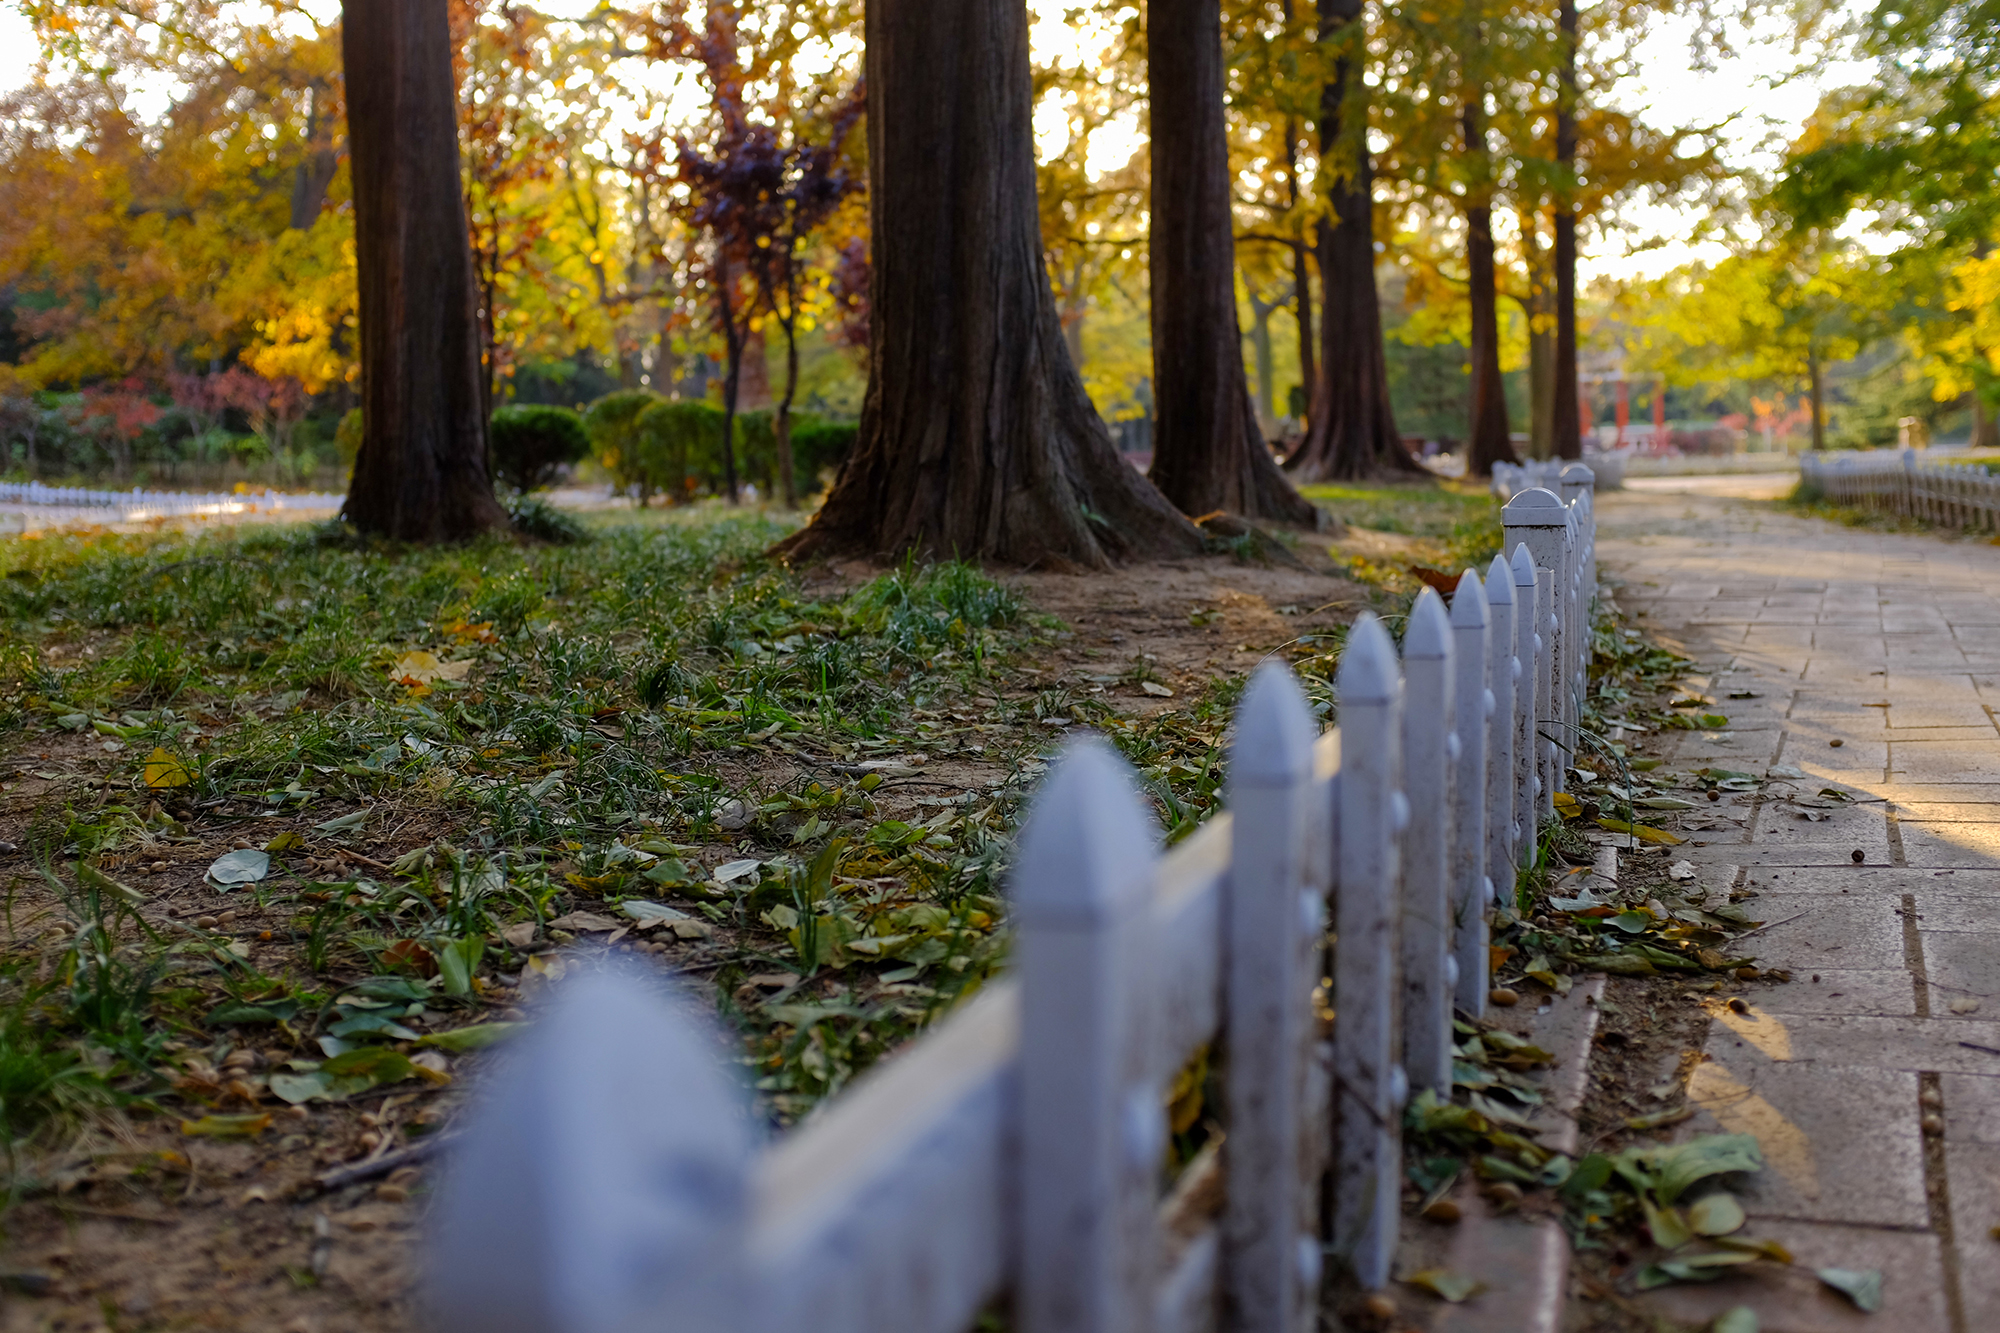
x,y
1874,662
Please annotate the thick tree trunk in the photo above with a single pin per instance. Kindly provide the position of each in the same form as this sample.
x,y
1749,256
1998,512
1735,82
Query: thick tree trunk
x,y
1540,309
1819,400
781,424
1984,433
1301,274
1264,395
422,473
732,378
1568,441
1353,432
1208,453
1489,440
977,439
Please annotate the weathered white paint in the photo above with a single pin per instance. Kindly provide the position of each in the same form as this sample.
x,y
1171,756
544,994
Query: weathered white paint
x,y
1528,606
1426,916
1473,707
1274,794
1092,1123
1368,1165
1503,677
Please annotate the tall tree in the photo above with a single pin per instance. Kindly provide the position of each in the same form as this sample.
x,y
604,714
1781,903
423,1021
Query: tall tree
x,y
976,437
1568,427
422,471
1208,452
1353,429
1490,440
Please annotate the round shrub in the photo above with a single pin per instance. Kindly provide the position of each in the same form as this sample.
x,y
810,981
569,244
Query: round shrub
x,y
531,445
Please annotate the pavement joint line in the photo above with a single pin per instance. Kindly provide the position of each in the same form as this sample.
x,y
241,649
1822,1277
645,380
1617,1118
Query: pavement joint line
x,y
1937,1195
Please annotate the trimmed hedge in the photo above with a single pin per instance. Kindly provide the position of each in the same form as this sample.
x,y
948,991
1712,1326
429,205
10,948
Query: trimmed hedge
x,y
669,446
532,445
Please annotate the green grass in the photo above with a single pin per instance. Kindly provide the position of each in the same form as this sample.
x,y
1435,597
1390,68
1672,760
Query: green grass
x,y
1460,521
640,706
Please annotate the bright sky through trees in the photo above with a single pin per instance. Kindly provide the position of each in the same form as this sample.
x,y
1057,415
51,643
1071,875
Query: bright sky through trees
x,y
1760,85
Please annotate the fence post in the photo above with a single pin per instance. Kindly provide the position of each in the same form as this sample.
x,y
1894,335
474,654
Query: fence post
x,y
1538,520
601,1179
1503,676
1272,919
1473,704
1428,748
1369,1088
1528,647
1093,1128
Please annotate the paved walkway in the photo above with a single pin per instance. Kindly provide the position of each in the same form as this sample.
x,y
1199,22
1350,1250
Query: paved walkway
x,y
1870,662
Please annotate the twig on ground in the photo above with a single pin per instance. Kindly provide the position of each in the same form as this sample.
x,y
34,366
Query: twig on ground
x,y
342,1176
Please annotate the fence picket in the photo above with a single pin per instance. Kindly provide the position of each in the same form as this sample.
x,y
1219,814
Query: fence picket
x,y
604,1176
1529,607
1473,711
1092,1124
1369,1088
1426,912
1275,902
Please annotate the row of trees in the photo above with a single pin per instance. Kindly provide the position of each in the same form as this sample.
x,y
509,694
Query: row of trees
x,y
1271,125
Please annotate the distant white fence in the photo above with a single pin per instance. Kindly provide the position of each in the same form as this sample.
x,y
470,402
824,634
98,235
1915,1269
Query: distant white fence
x,y
1906,482
609,1177
1607,473
57,506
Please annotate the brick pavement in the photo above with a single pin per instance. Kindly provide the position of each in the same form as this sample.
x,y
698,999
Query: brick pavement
x,y
1873,1080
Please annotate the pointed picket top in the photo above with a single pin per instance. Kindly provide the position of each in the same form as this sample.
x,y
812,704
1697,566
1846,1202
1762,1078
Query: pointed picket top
x,y
1536,507
1500,582
1428,637
603,1174
1367,673
1274,731
1523,561
1088,848
1468,603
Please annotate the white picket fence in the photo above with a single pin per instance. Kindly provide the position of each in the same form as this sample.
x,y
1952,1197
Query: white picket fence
x,y
609,1176
1607,472
61,506
1906,482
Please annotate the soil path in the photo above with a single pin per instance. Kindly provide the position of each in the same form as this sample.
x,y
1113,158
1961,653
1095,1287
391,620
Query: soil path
x,y
1868,662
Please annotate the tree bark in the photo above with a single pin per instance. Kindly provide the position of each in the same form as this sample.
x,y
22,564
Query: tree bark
x,y
1819,399
1353,432
1568,438
1301,275
1208,452
732,345
977,439
421,474
1489,440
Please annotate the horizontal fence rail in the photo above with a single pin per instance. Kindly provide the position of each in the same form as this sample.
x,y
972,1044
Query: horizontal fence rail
x,y
1907,483
50,506
609,1178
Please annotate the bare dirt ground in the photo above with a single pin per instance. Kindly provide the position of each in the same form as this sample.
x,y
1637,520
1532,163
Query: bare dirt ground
x,y
151,1227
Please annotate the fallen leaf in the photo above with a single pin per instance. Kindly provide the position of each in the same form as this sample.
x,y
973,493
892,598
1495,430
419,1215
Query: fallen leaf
x,y
1567,805
422,668
732,870
651,913
474,1038
285,842
1741,1319
240,867
344,1076
343,823
1445,1284
1665,803
1682,870
1965,1004
1153,687
1669,1229
1863,1286
584,922
413,955
163,770
1643,832
1715,1215
227,1126
1785,771
520,935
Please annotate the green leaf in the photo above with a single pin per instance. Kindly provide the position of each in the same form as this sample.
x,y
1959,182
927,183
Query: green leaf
x,y
345,1075
1632,922
372,1025
1445,1284
342,823
240,867
474,1038
1863,1286
1742,1319
1669,1229
1593,1172
270,1011
458,961
1715,1215
1698,1159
